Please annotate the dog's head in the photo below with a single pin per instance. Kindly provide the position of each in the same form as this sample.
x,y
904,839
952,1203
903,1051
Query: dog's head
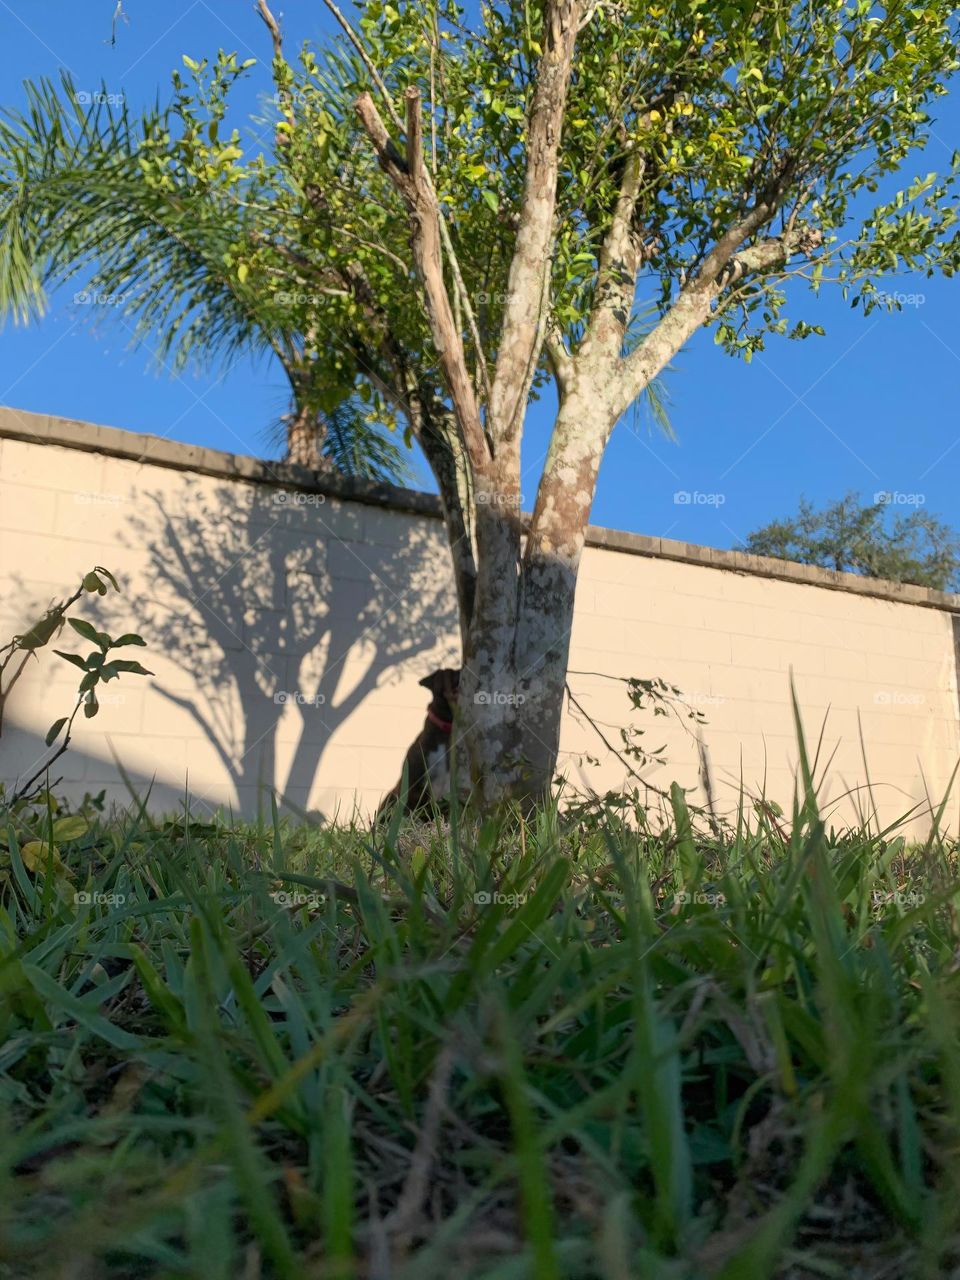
x,y
444,685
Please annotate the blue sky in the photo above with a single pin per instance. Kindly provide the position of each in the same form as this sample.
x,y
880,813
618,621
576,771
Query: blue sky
x,y
872,406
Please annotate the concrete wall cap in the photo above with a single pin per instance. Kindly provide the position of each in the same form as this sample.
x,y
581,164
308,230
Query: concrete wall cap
x,y
147,450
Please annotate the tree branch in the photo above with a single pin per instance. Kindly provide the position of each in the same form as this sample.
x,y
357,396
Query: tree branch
x,y
722,268
443,228
391,161
561,362
272,26
412,181
620,257
523,324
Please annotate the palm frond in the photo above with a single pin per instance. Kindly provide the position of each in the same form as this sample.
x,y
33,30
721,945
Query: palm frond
x,y
91,192
656,398
75,202
358,447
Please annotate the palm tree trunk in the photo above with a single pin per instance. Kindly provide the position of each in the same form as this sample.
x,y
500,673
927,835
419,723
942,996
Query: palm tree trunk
x,y
305,435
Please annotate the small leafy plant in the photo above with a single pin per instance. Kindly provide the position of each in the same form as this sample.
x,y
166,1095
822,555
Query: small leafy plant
x,y
97,667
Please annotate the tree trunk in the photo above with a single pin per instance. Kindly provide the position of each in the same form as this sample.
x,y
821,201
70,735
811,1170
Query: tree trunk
x,y
518,643
513,679
437,436
305,434
489,732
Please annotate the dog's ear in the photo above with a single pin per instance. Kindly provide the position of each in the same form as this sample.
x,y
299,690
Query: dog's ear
x,y
430,681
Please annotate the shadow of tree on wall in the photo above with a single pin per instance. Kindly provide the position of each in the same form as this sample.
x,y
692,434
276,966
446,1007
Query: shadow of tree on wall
x,y
284,612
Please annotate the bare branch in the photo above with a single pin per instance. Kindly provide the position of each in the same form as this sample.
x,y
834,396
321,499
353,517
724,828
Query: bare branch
x,y
272,26
368,63
433,101
525,311
398,262
415,140
417,1185
119,15
391,161
561,362
721,253
621,255
412,181
443,228
769,254
722,268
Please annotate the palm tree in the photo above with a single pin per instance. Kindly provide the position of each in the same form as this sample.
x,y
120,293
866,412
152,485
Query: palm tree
x,y
78,200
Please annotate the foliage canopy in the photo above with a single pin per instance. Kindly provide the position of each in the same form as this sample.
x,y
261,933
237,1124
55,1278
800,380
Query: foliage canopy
x,y
874,539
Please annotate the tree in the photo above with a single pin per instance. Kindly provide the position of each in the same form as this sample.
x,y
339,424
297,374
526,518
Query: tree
x,y
851,537
478,218
78,200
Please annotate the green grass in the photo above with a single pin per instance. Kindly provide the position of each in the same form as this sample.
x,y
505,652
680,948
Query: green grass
x,y
649,1054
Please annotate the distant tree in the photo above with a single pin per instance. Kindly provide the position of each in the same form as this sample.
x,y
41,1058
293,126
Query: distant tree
x,y
850,536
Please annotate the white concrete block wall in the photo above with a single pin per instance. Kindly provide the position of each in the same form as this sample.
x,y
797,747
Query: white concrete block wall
x,y
731,642
287,630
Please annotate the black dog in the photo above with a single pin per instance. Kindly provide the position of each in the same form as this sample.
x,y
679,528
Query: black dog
x,y
427,764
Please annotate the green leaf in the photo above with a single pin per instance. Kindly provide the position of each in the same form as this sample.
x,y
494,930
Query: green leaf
x,y
124,664
57,997
491,199
54,730
90,632
37,856
158,992
688,857
535,1188
70,828
128,637
73,658
339,1180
